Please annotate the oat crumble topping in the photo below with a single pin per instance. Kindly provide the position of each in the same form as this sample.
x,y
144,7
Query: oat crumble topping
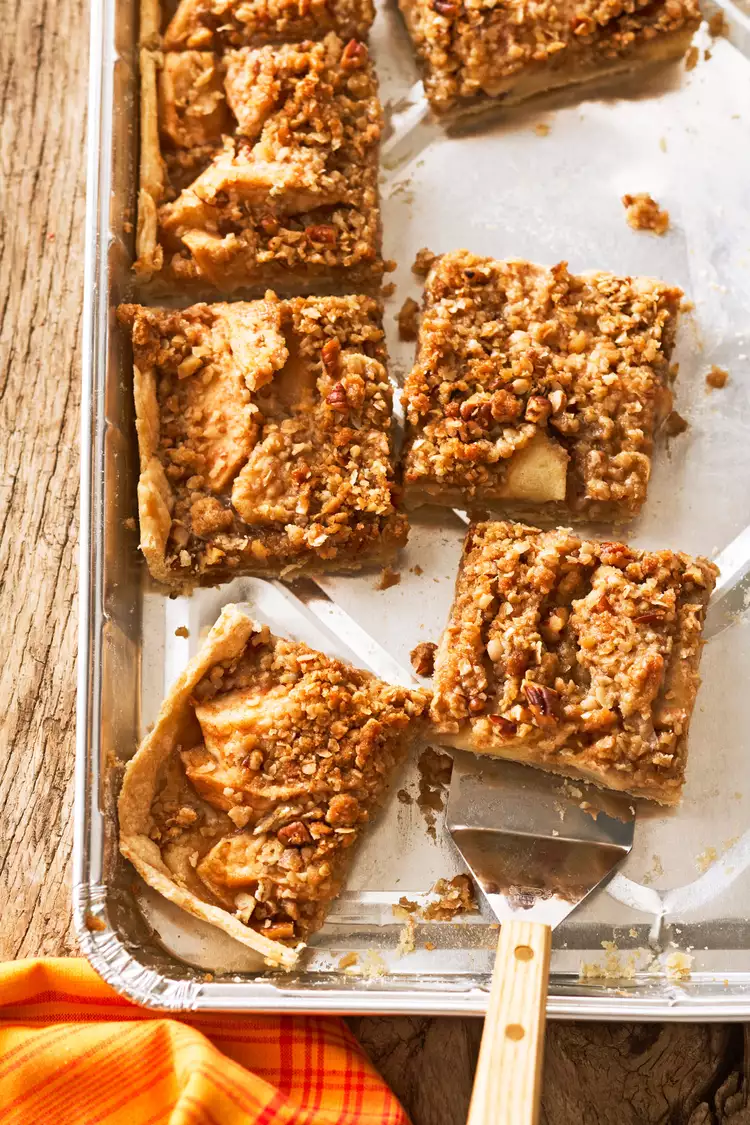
x,y
292,752
271,162
536,386
474,50
644,213
576,656
221,24
264,436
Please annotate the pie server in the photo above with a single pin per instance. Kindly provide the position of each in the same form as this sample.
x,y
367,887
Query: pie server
x,y
536,845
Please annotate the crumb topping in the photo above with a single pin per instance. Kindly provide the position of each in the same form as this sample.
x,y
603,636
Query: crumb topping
x,y
717,378
582,653
221,24
644,213
293,751
273,432
470,48
422,658
271,156
537,384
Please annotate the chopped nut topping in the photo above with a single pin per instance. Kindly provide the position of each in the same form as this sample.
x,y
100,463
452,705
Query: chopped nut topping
x,y
277,451
643,213
211,24
594,656
533,386
423,658
472,53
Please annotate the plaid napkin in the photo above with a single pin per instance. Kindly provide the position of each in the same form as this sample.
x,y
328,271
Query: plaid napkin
x,y
73,1052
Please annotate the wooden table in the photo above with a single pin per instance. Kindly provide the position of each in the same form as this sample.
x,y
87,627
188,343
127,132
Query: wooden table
x,y
634,1075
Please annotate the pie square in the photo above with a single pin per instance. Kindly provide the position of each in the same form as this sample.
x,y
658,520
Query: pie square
x,y
259,169
222,24
264,434
575,656
476,52
536,390
264,768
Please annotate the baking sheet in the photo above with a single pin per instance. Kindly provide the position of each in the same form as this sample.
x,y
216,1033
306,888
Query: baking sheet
x,y
543,184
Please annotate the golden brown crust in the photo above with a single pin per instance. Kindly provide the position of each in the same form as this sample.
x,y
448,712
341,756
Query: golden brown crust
x,y
264,433
264,767
576,656
267,165
535,386
471,52
222,24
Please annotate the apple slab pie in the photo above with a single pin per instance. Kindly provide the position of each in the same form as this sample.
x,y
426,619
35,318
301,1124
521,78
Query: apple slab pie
x,y
575,656
474,53
264,767
536,390
259,168
264,434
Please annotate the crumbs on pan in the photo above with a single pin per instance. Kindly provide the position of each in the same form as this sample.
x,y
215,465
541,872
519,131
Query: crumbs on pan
x,y
675,424
407,319
182,631
422,658
387,578
717,378
644,213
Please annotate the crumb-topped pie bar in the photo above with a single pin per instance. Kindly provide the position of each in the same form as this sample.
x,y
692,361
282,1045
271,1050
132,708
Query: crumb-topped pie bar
x,y
476,52
209,25
537,390
264,438
264,767
259,169
575,656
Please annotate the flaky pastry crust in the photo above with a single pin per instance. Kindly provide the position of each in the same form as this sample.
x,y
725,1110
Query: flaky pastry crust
x,y
264,767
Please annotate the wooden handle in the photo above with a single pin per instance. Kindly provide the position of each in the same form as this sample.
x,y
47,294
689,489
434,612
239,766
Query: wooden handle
x,y
507,1084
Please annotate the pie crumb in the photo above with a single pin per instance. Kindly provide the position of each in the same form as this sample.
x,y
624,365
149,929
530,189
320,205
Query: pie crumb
x,y
717,378
678,966
691,58
423,262
717,25
456,897
407,319
644,213
675,424
349,959
422,658
388,577
129,524
541,129
182,631
704,860
95,924
388,290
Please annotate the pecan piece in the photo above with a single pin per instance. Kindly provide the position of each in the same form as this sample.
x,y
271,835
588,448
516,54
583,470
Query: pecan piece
x,y
330,354
445,8
422,658
280,931
336,398
648,618
294,835
354,55
506,727
538,410
543,703
322,234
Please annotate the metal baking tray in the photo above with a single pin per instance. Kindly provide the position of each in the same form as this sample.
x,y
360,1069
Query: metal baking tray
x,y
510,188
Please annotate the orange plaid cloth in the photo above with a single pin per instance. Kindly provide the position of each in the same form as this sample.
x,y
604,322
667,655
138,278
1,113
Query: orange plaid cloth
x,y
73,1052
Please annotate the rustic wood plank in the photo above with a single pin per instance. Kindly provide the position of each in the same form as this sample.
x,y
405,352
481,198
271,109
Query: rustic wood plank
x,y
42,141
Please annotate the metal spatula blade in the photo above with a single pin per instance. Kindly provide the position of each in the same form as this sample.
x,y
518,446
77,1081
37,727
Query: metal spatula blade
x,y
536,845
